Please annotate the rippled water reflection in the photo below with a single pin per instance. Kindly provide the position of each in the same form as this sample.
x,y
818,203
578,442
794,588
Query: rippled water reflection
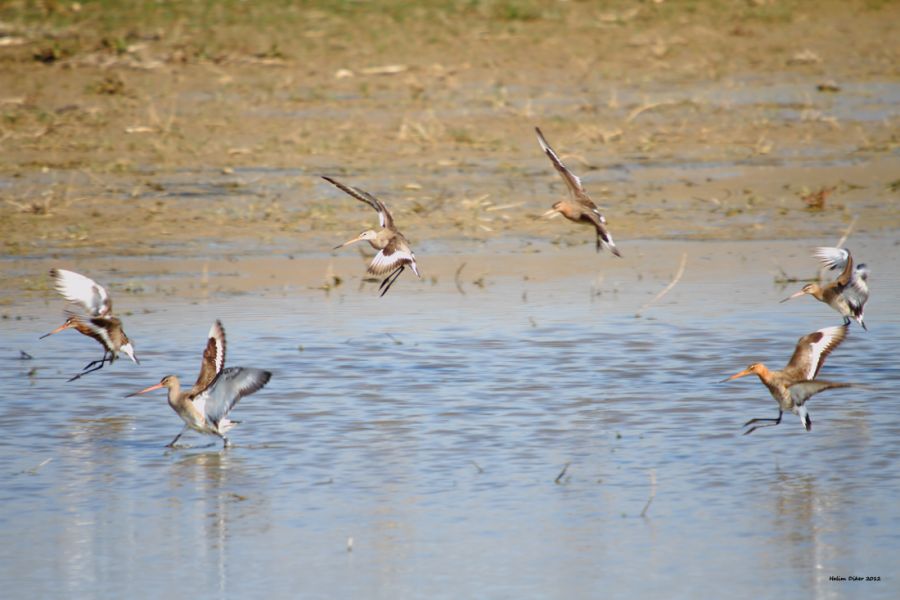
x,y
432,435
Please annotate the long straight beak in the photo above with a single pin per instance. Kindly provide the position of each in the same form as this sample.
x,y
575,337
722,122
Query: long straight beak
x,y
550,214
57,330
144,391
347,243
792,296
743,373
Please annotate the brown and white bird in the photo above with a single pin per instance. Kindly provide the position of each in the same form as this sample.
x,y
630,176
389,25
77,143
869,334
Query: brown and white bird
x,y
848,293
796,383
205,406
578,207
394,253
95,320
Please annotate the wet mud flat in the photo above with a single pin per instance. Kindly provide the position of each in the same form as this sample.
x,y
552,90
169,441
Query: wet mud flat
x,y
192,134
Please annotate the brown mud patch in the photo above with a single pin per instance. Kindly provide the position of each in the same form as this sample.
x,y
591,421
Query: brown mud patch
x,y
197,132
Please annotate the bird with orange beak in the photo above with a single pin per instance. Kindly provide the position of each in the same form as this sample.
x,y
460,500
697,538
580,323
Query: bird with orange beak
x,y
205,406
796,383
95,320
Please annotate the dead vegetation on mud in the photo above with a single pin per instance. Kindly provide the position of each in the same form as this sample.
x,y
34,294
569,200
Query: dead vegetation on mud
x,y
162,128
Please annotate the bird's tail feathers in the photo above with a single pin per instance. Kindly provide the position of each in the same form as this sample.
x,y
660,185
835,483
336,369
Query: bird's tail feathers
x,y
804,417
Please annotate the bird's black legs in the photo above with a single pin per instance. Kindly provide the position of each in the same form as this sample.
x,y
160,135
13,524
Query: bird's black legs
x,y
92,366
846,320
599,245
773,422
390,279
172,443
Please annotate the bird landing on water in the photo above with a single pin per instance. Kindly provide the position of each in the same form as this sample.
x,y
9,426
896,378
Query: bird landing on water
x,y
206,405
93,319
796,383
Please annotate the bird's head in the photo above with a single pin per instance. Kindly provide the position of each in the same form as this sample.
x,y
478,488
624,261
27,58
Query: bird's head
x,y
810,288
169,381
553,212
367,235
753,369
72,321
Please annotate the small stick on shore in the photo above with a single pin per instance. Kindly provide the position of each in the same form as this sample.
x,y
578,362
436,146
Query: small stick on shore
x,y
668,288
847,232
784,278
457,281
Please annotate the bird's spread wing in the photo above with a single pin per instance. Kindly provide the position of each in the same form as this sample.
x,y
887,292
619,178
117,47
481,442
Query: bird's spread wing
x,y
811,350
384,215
573,182
832,258
804,390
853,279
393,255
230,385
82,290
213,358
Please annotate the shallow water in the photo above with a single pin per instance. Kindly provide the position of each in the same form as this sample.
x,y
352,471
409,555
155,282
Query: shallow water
x,y
431,427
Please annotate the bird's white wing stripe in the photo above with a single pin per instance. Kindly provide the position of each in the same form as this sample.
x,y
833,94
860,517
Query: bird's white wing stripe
x,y
830,335
217,333
101,331
382,264
77,288
832,258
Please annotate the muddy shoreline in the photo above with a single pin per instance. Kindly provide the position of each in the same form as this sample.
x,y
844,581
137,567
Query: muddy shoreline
x,y
714,123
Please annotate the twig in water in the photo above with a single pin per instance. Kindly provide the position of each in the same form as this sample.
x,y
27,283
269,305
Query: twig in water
x,y
34,470
652,492
477,466
457,281
561,474
669,287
